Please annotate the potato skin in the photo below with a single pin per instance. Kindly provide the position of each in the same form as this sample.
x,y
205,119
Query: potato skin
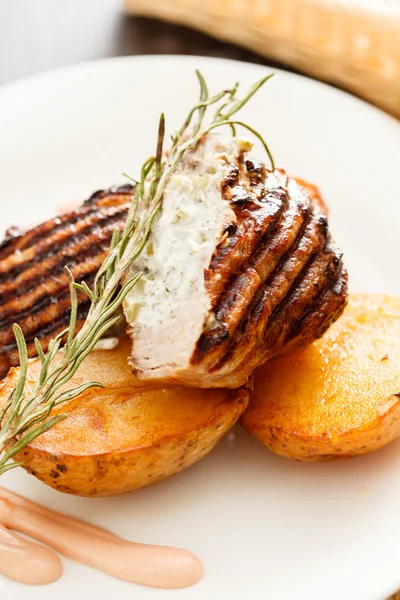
x,y
339,397
121,471
128,435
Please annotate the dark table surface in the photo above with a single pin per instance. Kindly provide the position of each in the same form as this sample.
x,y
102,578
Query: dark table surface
x,y
37,35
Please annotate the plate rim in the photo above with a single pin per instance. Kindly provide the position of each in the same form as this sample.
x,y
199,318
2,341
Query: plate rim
x,y
48,74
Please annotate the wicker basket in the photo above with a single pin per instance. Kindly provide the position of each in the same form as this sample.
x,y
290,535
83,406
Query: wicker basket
x,y
353,44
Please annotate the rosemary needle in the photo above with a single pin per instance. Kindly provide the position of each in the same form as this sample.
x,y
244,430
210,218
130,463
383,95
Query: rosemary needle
x,y
27,413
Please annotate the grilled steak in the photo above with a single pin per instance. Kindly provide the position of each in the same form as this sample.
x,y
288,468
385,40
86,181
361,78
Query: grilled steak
x,y
239,267
33,287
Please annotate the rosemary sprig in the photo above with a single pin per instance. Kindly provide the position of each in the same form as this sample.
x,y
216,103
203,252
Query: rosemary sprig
x,y
27,413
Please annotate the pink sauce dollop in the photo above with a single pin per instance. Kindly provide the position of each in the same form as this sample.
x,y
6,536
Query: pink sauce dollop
x,y
30,563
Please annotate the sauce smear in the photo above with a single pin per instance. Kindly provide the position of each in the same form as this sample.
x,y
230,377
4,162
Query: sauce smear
x,y
26,562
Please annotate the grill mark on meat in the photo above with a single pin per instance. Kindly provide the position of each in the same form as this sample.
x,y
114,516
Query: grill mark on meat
x,y
50,284
26,241
288,268
38,318
11,237
328,308
76,252
274,261
28,318
258,310
38,298
19,240
231,260
62,321
52,329
277,250
333,282
76,217
249,310
59,242
270,253
305,294
255,222
287,321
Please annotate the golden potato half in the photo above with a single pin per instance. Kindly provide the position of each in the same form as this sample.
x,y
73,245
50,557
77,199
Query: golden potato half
x,y
127,435
340,396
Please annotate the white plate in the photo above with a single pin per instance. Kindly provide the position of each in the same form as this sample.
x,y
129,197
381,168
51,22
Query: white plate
x,y
265,527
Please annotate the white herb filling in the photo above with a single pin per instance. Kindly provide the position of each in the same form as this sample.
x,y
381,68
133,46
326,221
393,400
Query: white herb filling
x,y
168,307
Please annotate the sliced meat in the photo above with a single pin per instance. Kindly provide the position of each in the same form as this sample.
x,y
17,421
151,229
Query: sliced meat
x,y
239,267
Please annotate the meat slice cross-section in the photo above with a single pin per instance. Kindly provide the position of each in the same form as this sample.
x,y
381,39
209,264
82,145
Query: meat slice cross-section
x,y
239,267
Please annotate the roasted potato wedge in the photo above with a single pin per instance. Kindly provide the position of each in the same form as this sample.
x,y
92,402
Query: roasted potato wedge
x,y
340,396
127,435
